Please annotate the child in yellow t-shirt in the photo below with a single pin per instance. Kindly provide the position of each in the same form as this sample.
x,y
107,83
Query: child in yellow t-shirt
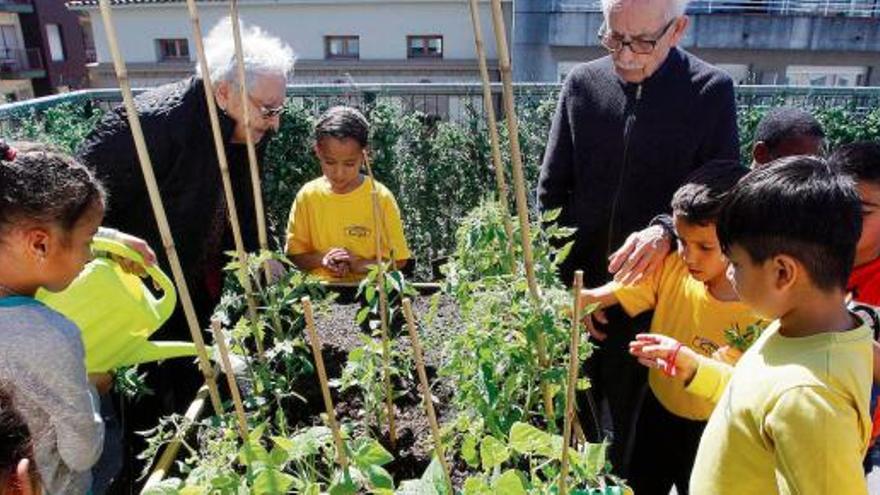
x,y
331,232
694,302
792,416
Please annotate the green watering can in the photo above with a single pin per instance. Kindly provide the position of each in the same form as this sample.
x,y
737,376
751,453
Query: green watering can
x,y
116,313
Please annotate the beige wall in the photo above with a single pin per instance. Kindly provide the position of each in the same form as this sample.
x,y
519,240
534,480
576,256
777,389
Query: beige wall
x,y
383,26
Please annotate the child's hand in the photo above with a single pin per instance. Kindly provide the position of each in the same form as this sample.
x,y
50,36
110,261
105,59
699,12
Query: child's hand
x,y
360,265
337,261
597,316
667,354
103,382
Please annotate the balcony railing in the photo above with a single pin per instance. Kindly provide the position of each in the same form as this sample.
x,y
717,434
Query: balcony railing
x,y
850,8
20,60
20,6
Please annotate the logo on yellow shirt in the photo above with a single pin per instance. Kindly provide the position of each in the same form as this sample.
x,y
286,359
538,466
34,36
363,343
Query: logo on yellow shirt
x,y
357,231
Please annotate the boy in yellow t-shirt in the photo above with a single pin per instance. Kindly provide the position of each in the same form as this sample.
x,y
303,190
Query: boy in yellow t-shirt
x,y
331,232
694,302
792,416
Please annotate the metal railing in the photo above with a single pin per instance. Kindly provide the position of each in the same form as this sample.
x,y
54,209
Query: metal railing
x,y
20,59
850,8
458,102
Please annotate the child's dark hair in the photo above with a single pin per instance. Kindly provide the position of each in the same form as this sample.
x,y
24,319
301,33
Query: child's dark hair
x,y
343,122
782,124
43,185
699,200
860,160
800,207
15,441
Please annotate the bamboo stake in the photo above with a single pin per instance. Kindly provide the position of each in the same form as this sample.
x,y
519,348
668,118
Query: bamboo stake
x,y
383,305
220,149
522,206
426,389
158,207
251,147
220,339
573,365
170,453
492,124
341,458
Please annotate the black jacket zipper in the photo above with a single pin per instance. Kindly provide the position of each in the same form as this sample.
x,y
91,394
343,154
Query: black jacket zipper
x,y
627,134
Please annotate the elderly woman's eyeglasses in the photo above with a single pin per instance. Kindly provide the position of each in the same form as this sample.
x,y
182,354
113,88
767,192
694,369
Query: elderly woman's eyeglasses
x,y
614,42
266,112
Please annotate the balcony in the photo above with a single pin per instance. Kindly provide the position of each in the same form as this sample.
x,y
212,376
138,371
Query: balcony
x,y
21,63
17,6
839,8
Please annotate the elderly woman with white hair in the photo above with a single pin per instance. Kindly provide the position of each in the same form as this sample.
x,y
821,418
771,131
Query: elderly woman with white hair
x,y
178,135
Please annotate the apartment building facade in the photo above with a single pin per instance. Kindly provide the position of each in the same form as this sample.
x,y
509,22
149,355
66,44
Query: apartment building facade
x,y
42,49
797,42
336,41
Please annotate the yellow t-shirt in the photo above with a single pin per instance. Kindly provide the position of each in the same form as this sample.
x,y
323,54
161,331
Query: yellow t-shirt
x,y
321,219
686,311
792,417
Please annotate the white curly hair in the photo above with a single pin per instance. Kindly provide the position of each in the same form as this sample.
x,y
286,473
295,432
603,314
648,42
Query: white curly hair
x,y
676,7
263,54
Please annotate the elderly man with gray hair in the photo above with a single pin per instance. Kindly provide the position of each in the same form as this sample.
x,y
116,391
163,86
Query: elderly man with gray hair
x,y
629,128
178,135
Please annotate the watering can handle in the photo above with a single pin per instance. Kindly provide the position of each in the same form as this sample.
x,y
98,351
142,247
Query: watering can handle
x,y
164,305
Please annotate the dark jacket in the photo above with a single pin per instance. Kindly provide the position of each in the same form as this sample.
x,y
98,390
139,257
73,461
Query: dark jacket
x,y
178,135
618,151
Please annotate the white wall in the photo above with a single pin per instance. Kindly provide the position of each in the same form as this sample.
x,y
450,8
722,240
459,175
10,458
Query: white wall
x,y
382,25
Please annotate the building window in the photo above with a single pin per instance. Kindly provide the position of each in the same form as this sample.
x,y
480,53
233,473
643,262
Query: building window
x,y
424,46
173,50
348,47
818,75
56,42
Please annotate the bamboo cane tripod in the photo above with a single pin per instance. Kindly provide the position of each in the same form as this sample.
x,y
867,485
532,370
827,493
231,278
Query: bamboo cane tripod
x,y
522,207
492,125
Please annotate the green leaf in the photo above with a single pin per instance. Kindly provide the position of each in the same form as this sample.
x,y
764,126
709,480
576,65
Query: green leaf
x,y
551,215
379,477
371,453
476,486
164,487
271,481
343,484
509,483
469,451
435,477
528,440
493,453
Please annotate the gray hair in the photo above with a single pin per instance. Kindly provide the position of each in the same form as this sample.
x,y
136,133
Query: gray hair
x,y
263,54
676,7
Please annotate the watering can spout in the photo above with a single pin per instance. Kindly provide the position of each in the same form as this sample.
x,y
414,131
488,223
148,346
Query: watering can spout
x,y
116,313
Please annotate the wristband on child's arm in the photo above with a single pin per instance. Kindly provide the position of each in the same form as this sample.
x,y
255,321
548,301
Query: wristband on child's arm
x,y
669,366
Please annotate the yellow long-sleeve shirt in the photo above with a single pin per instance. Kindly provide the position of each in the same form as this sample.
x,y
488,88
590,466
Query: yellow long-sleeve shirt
x,y
791,418
685,310
321,219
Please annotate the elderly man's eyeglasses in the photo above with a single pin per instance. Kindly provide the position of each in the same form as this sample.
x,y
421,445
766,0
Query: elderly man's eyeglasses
x,y
614,42
266,112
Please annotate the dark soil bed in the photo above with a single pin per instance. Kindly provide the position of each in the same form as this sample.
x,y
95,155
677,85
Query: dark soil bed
x,y
339,334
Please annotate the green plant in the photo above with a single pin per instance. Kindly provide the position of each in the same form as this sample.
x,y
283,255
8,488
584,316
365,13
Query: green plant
x,y
740,339
527,461
363,370
493,360
131,384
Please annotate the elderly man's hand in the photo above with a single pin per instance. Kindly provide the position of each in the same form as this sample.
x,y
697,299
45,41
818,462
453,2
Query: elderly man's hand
x,y
640,256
